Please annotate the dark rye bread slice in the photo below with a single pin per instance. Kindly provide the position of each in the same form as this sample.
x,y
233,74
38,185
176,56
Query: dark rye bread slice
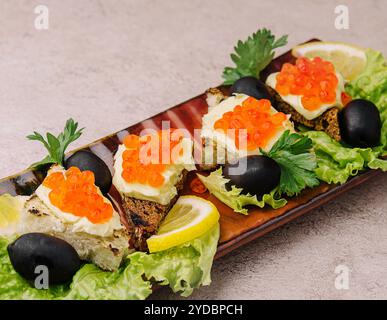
x,y
144,216
328,121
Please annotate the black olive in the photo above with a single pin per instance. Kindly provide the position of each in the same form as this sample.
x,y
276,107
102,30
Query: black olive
x,y
252,87
360,124
85,160
34,249
261,174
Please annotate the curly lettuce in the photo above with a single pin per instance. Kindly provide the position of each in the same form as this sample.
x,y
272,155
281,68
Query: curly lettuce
x,y
371,84
92,283
216,185
336,163
183,268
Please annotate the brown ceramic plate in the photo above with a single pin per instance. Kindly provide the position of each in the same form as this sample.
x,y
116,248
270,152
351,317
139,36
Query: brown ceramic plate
x,y
236,229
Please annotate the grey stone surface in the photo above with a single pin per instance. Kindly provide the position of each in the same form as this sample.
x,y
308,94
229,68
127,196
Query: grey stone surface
x,y
109,64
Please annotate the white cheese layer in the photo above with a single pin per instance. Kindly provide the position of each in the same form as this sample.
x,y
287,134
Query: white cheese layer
x,y
225,145
295,100
79,224
172,175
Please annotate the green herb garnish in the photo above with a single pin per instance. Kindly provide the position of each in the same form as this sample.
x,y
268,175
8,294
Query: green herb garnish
x,y
57,146
253,55
292,153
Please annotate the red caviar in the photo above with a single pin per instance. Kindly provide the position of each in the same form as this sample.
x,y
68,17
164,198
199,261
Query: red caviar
x,y
197,186
315,79
155,150
256,118
345,98
75,192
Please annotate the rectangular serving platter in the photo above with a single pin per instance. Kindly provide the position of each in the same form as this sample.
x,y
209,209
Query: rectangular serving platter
x,y
236,229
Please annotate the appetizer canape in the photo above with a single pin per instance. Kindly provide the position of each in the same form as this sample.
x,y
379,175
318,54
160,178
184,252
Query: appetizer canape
x,y
149,173
246,132
312,91
239,126
68,205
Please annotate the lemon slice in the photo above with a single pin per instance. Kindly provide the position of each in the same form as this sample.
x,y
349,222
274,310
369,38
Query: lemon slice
x,y
349,60
188,219
9,210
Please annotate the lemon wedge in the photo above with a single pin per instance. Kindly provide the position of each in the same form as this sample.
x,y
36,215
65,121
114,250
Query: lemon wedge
x,y
348,59
189,218
9,210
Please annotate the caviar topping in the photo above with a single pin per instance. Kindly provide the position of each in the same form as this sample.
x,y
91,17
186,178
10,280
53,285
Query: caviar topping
x,y
256,118
345,98
313,79
75,192
147,157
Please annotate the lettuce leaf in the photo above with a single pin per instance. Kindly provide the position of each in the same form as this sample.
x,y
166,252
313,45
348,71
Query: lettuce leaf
x,y
336,163
216,184
371,84
90,282
183,268
13,286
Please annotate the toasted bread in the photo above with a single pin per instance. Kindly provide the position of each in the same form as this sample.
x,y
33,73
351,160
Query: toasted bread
x,y
105,252
214,96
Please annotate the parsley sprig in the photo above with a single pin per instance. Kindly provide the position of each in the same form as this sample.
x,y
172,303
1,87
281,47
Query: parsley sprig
x,y
253,55
57,146
292,153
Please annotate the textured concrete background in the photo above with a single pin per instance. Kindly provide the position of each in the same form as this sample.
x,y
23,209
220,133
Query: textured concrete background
x,y
109,64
